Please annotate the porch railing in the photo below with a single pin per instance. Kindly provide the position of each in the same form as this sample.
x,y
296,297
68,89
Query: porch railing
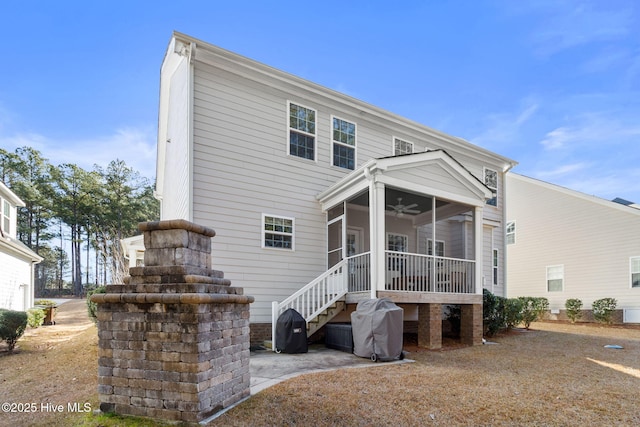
x,y
428,273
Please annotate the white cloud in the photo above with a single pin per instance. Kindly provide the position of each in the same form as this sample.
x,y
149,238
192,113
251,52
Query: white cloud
x,y
137,147
571,24
504,128
562,170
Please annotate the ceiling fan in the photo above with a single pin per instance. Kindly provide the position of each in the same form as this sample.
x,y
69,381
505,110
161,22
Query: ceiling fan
x,y
401,209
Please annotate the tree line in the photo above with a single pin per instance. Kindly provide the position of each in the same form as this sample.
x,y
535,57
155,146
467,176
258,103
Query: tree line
x,y
68,207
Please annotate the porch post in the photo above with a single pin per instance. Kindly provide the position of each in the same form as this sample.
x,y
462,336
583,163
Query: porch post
x,y
377,236
478,240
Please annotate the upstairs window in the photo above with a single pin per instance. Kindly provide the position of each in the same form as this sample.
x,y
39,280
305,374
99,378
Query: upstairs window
x,y
511,233
402,147
555,278
635,272
302,132
6,217
277,232
491,181
344,143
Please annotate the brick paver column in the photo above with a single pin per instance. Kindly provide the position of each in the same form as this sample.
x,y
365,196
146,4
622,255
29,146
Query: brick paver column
x,y
430,326
471,324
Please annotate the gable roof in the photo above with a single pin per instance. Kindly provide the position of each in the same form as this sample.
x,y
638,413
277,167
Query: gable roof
x,y
473,191
574,193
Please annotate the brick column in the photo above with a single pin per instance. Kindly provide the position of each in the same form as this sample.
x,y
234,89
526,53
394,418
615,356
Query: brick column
x,y
471,324
174,339
430,326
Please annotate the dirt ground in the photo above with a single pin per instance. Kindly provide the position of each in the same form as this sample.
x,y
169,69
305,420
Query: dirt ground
x,y
52,372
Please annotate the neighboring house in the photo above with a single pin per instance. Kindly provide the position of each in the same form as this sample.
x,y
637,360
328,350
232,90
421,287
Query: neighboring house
x,y
317,194
16,259
565,244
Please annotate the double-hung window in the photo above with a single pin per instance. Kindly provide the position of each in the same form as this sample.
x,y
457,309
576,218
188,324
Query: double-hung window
x,y
555,278
277,232
635,271
344,143
439,247
495,267
6,217
402,147
491,181
511,232
302,131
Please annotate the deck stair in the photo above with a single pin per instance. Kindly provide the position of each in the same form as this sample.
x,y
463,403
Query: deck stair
x,y
318,301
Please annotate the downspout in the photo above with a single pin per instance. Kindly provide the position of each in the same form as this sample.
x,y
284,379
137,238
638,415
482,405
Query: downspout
x,y
190,138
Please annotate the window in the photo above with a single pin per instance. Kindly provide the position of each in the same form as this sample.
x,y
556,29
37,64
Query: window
x,y
635,272
302,132
439,247
495,267
277,232
6,217
491,181
397,242
402,147
511,232
555,278
344,143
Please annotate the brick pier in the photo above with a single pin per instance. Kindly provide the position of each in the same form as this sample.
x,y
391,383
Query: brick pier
x,y
174,339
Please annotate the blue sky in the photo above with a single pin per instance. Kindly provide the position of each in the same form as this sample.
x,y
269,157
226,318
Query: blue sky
x,y
554,85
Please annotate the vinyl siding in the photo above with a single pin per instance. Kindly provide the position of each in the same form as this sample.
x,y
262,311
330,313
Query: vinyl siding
x,y
15,272
241,170
591,237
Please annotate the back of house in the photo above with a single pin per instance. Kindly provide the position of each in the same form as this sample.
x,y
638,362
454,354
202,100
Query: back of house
x,y
296,178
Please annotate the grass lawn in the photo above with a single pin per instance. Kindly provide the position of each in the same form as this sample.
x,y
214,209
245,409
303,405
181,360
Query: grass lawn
x,y
555,374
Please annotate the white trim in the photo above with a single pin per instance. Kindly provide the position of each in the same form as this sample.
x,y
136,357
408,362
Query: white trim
x,y
547,277
292,234
632,272
289,129
333,141
393,145
506,232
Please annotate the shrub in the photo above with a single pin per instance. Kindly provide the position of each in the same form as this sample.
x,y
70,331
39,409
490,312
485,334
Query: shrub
x,y
603,310
512,312
574,309
35,317
12,326
92,307
533,309
45,302
493,313
541,307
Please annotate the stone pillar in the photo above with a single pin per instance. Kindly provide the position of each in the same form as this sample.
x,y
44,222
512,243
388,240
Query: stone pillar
x,y
471,324
430,326
174,339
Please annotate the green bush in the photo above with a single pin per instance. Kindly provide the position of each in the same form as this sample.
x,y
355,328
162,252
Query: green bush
x,y
603,310
35,317
493,313
46,302
12,326
92,307
512,312
533,308
574,309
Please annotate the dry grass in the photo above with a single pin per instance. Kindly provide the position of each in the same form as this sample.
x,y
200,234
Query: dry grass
x,y
554,375
557,374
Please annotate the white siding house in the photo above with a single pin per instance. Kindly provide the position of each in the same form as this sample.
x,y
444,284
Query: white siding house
x,y
565,244
16,259
303,184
